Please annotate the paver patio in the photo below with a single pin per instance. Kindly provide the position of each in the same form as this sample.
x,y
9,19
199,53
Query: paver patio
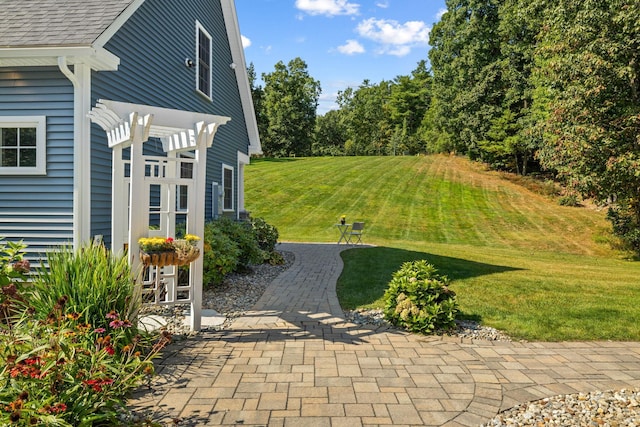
x,y
294,361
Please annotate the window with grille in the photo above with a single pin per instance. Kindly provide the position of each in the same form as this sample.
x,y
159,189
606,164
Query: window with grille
x,y
22,145
227,185
203,51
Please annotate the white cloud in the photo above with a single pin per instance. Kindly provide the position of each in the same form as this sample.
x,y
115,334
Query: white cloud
x,y
351,47
394,38
383,4
246,42
440,13
328,7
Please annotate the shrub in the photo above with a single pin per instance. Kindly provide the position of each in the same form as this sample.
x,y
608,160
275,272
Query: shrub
x,y
13,269
220,255
265,234
231,245
570,199
419,300
94,280
625,225
241,233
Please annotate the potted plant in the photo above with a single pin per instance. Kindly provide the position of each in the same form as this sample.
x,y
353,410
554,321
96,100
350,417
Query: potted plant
x,y
161,251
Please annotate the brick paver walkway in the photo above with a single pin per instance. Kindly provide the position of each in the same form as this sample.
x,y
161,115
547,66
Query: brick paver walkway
x,y
294,361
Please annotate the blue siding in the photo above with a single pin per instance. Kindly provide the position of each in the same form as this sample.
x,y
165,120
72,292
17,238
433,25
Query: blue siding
x,y
39,209
152,47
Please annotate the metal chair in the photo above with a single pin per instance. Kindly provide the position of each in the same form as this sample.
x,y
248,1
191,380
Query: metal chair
x,y
355,233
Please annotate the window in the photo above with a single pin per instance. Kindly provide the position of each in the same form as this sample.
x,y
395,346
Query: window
x,y
203,55
23,145
227,185
186,171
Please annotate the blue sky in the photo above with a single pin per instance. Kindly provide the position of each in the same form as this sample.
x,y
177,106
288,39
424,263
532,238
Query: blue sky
x,y
343,42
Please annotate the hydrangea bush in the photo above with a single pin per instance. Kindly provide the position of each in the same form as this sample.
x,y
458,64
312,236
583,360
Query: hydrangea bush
x,y
419,300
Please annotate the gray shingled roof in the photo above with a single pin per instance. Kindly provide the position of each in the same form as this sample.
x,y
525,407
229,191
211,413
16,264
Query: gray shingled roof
x,y
34,23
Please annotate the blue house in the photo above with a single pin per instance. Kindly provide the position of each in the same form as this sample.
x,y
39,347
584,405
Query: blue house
x,y
118,115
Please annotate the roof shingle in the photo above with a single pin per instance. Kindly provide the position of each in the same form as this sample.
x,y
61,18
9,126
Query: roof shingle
x,y
31,23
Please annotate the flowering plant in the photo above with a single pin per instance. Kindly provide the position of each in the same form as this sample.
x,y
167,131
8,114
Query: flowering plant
x,y
62,371
156,244
162,244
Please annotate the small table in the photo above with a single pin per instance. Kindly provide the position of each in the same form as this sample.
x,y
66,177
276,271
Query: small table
x,y
344,228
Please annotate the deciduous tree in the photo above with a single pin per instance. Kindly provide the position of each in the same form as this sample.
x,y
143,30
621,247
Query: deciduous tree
x,y
290,102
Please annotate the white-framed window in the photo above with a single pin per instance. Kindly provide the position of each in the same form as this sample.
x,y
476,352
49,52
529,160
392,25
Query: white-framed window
x,y
186,172
23,145
227,188
204,51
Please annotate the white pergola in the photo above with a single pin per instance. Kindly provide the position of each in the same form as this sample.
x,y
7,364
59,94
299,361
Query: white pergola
x,y
130,126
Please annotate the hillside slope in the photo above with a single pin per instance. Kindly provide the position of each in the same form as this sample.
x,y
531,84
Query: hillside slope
x,y
437,199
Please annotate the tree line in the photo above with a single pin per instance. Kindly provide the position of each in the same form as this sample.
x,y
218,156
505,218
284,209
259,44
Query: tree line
x,y
525,86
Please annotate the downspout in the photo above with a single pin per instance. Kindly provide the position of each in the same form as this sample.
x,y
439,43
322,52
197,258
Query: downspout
x,y
80,78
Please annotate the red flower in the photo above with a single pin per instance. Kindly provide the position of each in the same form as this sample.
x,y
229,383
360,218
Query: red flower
x,y
112,315
57,408
22,266
96,384
110,350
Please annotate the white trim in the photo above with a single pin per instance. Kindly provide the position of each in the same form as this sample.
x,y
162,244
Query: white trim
x,y
98,58
115,26
237,53
40,123
224,185
200,27
81,80
243,160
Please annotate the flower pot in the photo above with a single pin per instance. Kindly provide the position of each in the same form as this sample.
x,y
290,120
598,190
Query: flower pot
x,y
160,259
184,259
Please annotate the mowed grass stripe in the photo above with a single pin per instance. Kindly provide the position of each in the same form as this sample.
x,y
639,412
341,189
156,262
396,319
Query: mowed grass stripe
x,y
436,199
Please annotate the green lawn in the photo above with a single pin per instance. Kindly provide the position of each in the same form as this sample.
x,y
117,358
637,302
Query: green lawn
x,y
518,261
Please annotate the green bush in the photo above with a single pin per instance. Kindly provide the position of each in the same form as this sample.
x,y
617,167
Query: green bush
x,y
94,280
570,199
419,300
625,225
265,234
231,245
220,255
241,234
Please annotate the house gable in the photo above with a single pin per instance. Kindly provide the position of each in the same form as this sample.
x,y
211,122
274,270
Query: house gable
x,y
78,51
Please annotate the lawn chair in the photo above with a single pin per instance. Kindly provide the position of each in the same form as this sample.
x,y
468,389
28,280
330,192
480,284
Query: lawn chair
x,y
355,233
